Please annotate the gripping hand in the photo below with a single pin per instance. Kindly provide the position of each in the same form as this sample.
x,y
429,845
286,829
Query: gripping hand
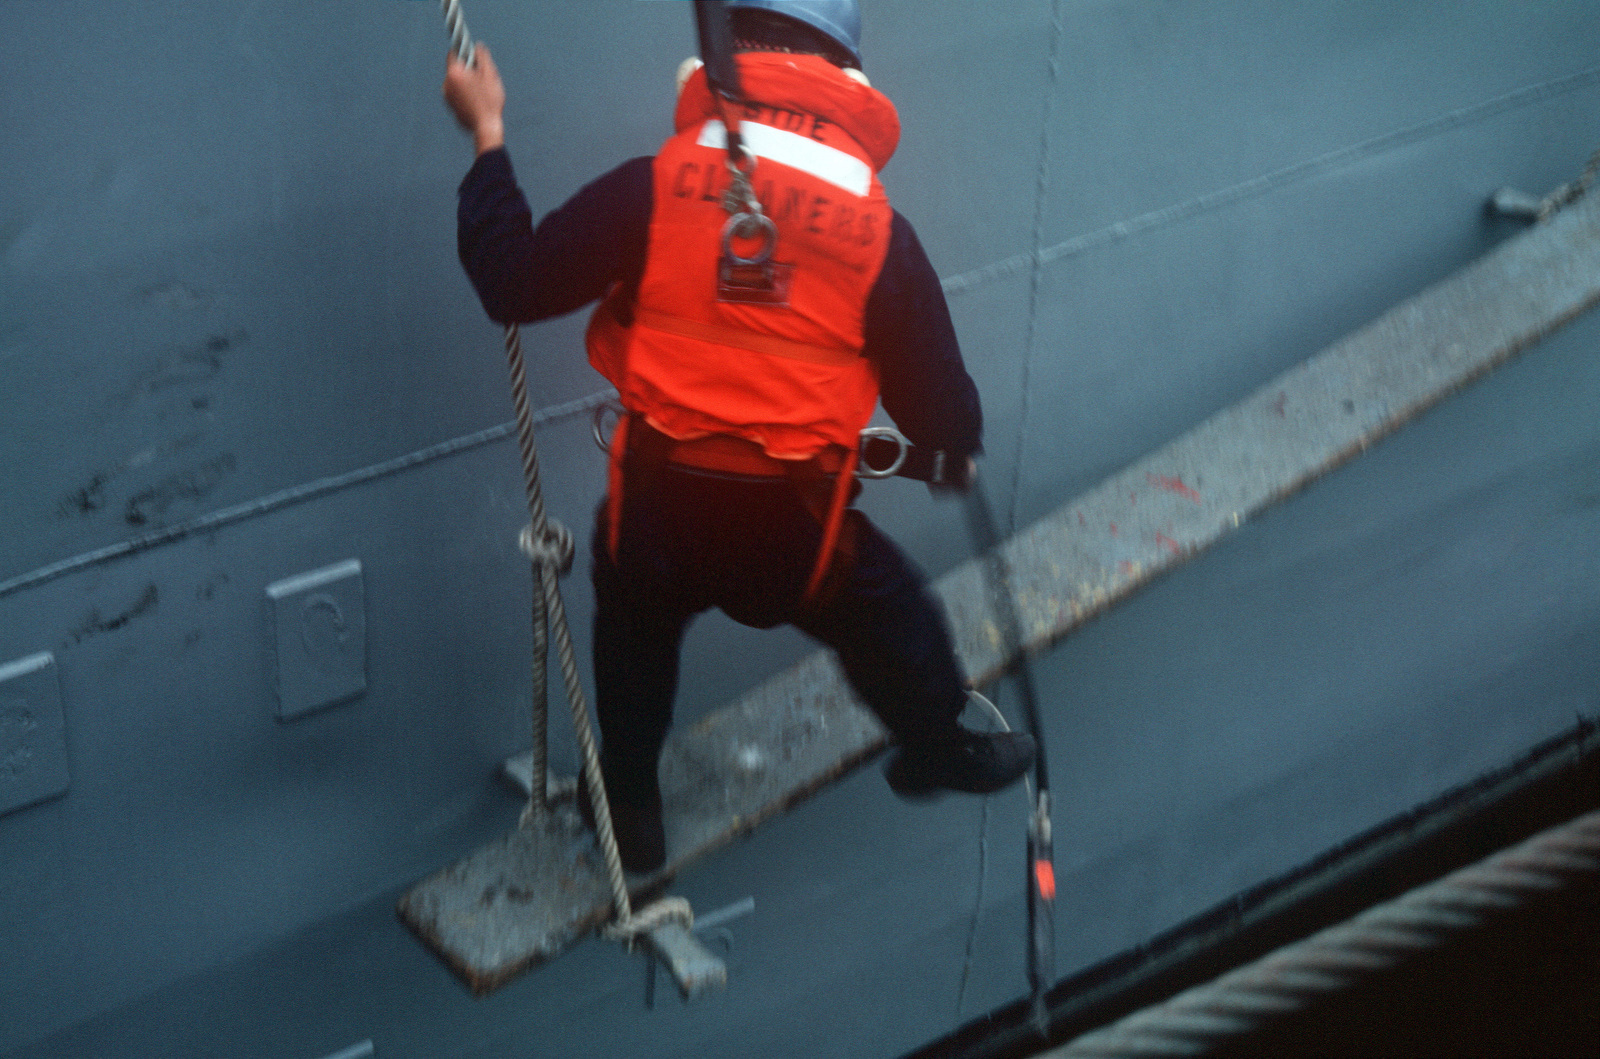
x,y
477,98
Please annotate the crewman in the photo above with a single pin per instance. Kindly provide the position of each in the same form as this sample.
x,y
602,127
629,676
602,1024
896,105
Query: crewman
x,y
748,357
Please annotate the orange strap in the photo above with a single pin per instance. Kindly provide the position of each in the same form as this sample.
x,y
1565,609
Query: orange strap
x,y
830,530
739,338
619,447
714,454
731,454
726,453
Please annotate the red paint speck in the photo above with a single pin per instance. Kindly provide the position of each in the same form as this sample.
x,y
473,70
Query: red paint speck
x,y
1169,544
1125,567
1113,529
1081,520
1172,485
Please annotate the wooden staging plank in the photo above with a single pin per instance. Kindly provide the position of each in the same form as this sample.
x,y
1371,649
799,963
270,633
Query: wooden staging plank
x,y
1181,499
523,899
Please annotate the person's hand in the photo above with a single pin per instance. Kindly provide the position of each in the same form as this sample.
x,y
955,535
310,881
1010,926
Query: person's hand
x,y
477,98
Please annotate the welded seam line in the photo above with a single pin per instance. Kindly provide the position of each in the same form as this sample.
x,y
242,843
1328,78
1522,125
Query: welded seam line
x,y
1273,181
298,494
1041,189
977,909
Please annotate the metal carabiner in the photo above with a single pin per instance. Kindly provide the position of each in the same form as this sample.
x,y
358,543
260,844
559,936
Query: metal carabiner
x,y
601,438
866,470
740,197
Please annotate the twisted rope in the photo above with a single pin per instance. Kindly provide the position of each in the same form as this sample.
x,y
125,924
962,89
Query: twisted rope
x,y
540,529
549,545
456,26
1195,1021
550,615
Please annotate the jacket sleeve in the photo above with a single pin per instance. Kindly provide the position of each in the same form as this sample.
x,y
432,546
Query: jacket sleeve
x,y
924,383
524,273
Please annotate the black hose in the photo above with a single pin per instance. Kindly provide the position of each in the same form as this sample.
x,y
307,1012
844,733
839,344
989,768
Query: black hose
x,y
1041,883
986,542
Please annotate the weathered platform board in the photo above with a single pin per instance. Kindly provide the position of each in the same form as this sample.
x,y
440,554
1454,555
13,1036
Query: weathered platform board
x,y
523,899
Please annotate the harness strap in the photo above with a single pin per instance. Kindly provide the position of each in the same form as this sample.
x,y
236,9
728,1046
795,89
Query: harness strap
x,y
844,481
614,476
729,454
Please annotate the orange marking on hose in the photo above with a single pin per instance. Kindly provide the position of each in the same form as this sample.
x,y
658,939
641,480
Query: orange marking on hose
x,y
1044,874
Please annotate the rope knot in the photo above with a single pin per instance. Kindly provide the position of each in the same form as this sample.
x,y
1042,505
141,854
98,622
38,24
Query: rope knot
x,y
553,546
666,910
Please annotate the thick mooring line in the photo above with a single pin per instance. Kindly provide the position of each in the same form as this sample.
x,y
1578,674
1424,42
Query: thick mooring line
x,y
1209,1016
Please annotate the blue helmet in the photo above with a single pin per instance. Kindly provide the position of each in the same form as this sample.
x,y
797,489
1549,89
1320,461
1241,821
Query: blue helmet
x,y
840,20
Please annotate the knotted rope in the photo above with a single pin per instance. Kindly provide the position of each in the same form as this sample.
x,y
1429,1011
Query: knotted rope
x,y
553,546
549,546
666,910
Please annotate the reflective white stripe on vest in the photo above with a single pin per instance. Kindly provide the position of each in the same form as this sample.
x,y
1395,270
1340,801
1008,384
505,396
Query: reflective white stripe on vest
x,y
798,152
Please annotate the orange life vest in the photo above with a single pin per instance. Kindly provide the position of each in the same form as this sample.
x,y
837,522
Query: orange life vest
x,y
789,377
786,377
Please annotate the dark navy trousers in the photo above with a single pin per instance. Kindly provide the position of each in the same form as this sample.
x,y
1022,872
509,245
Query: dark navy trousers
x,y
692,540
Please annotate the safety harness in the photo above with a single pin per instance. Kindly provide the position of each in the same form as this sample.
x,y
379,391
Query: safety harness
x,y
675,334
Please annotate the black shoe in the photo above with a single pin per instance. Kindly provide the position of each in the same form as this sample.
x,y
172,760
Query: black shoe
x,y
641,835
970,762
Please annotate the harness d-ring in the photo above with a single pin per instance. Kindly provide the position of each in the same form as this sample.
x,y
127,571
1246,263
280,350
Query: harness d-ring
x,y
741,225
866,470
602,410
